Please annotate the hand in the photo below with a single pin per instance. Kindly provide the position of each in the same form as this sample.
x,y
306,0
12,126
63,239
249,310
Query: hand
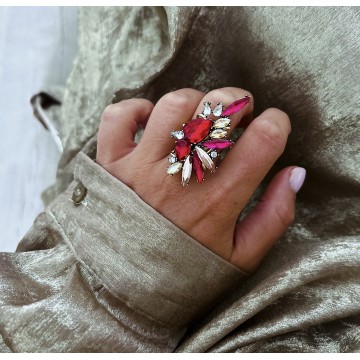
x,y
206,211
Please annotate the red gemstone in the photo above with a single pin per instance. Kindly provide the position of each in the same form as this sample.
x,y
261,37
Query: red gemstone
x,y
182,149
217,144
197,129
197,166
236,106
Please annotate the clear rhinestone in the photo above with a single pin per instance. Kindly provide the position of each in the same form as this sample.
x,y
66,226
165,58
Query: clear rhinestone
x,y
218,134
186,172
174,168
213,154
172,158
207,109
221,123
218,109
205,158
177,134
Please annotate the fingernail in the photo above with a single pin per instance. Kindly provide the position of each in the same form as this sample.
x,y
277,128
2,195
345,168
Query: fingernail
x,y
297,177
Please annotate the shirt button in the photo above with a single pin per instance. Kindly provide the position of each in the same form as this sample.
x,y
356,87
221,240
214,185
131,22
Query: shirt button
x,y
79,193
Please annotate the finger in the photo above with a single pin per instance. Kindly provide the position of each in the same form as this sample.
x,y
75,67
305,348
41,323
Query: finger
x,y
258,232
250,159
170,112
118,127
226,96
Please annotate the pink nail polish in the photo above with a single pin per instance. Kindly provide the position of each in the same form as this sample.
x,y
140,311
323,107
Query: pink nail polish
x,y
297,177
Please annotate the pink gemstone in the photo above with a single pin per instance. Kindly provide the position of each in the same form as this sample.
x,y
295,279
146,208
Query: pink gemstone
x,y
182,149
197,129
236,106
217,144
197,166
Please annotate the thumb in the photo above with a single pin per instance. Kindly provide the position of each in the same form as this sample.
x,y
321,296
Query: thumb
x,y
275,212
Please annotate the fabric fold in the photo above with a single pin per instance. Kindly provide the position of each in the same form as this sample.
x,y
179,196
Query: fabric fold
x,y
140,256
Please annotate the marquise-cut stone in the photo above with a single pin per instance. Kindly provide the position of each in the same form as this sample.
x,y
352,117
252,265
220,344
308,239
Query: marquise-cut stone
x,y
197,165
218,109
217,144
221,123
236,106
174,168
182,149
218,134
177,134
197,129
186,172
207,109
205,158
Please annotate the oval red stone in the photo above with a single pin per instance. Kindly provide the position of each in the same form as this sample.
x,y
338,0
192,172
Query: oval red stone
x,y
197,129
182,149
197,166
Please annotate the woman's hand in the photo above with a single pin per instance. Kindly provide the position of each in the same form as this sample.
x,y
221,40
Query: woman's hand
x,y
206,211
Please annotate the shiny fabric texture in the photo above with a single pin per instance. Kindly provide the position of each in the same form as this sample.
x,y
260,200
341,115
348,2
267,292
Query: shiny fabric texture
x,y
305,296
109,274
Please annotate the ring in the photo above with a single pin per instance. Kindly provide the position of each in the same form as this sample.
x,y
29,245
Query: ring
x,y
202,139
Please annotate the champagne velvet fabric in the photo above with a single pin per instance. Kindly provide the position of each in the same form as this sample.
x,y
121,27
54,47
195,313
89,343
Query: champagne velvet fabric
x,y
305,296
110,274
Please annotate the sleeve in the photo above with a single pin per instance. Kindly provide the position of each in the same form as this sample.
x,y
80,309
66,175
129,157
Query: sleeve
x,y
108,274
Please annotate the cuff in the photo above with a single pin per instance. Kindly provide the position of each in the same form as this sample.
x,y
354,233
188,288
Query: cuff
x,y
138,255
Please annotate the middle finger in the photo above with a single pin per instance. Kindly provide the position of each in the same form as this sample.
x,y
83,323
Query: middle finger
x,y
251,158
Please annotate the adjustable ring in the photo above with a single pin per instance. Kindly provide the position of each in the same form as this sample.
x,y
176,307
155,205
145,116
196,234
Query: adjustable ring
x,y
202,139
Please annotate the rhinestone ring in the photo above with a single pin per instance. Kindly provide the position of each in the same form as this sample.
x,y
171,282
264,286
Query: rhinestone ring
x,y
202,139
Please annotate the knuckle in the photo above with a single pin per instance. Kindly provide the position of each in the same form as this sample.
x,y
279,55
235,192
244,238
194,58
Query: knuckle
x,y
214,198
114,110
179,98
221,93
237,92
281,116
270,133
285,214
221,198
228,94
108,113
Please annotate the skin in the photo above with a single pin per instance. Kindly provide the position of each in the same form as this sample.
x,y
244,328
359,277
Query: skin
x,y
206,211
